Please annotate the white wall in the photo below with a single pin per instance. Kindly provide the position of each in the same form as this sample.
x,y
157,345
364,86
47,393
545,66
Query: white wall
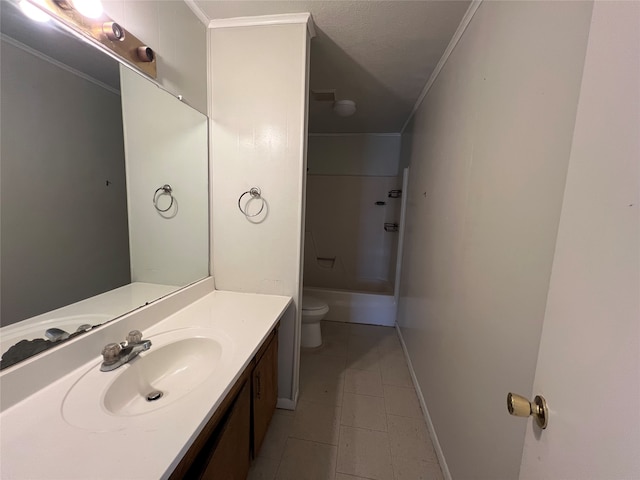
x,y
64,230
165,143
488,150
344,223
178,38
354,154
347,175
258,99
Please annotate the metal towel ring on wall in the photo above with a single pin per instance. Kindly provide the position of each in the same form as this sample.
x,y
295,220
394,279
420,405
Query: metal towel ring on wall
x,y
164,190
255,195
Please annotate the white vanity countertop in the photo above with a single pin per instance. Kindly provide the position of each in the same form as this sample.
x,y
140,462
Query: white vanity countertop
x,y
37,442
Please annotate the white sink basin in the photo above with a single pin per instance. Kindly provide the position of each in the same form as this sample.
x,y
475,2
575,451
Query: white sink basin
x,y
169,373
177,363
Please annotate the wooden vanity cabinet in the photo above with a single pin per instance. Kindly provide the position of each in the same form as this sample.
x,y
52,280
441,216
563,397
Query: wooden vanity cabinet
x,y
229,456
265,390
224,448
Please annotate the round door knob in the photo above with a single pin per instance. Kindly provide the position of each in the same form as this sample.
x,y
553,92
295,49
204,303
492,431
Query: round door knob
x,y
519,406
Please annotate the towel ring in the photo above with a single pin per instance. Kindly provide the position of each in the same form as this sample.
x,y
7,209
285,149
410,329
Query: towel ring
x,y
164,190
255,194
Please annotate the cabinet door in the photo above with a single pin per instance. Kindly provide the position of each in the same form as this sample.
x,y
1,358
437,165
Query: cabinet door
x,y
230,457
265,392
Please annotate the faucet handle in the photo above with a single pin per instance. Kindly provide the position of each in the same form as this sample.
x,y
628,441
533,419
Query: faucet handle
x,y
111,352
134,336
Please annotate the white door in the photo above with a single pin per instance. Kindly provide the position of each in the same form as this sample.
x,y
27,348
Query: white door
x,y
589,360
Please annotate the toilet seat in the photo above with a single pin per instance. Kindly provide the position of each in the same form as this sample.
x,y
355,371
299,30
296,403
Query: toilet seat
x,y
313,304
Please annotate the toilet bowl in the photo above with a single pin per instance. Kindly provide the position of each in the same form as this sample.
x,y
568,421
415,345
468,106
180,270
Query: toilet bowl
x,y
313,310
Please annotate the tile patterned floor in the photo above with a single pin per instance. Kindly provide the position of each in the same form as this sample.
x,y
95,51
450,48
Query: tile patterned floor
x,y
358,416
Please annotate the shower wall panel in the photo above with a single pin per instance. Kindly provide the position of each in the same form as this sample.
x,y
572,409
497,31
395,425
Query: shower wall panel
x,y
346,245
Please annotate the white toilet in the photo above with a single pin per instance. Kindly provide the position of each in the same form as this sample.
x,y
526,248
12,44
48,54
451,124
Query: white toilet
x,y
313,310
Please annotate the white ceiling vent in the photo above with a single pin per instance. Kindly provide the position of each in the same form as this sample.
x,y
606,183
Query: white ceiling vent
x,y
324,95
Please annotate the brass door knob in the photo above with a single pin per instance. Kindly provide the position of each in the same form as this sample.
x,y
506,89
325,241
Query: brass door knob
x,y
521,407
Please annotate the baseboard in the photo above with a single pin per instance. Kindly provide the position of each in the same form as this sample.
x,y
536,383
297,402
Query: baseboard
x,y
432,432
287,403
385,322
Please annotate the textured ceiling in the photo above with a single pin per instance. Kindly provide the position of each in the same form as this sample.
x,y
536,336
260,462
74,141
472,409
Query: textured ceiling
x,y
378,53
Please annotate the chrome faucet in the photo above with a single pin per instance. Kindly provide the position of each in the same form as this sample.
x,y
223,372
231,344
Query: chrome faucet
x,y
56,334
115,355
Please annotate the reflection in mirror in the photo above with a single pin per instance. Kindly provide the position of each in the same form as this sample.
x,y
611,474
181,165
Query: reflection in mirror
x,y
84,144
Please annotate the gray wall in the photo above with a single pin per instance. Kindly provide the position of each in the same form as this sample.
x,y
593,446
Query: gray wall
x,y
360,154
64,231
489,149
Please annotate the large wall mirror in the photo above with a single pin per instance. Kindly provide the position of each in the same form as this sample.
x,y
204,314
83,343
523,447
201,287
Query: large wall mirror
x,y
103,188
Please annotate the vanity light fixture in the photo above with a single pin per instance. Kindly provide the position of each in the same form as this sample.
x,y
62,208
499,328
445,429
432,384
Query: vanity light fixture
x,y
113,31
33,12
86,8
64,4
145,54
88,19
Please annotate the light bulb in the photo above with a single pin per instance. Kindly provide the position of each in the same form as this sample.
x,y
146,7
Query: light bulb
x,y
88,8
33,12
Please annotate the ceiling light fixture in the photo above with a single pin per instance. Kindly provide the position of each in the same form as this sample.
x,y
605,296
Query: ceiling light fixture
x,y
33,12
344,108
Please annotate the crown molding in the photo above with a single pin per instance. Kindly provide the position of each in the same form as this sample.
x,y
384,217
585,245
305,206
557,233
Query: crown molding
x,y
198,12
464,23
283,19
390,134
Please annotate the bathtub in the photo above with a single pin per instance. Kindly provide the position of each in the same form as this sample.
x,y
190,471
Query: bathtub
x,y
375,308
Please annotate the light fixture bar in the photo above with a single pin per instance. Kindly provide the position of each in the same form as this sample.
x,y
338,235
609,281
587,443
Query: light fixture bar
x,y
102,30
